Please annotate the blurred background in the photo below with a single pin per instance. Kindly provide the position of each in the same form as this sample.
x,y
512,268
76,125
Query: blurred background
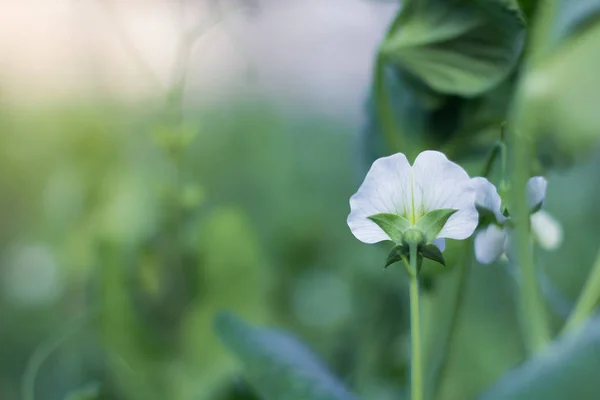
x,y
162,160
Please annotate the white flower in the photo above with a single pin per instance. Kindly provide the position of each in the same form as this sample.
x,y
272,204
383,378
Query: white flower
x,y
392,186
493,241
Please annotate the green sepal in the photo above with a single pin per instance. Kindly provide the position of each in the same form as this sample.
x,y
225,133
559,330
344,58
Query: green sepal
x,y
392,224
433,222
486,216
432,252
536,208
400,252
396,254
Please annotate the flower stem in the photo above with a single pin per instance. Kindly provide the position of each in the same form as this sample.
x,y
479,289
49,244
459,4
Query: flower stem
x,y
536,329
587,300
415,328
440,363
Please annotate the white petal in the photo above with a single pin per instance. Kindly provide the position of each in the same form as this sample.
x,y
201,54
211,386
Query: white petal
x,y
489,244
440,183
536,190
386,189
546,230
440,243
486,196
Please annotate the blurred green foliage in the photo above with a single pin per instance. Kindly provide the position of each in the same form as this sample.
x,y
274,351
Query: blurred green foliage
x,y
149,226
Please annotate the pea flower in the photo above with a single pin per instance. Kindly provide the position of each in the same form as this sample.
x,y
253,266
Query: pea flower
x,y
493,241
434,196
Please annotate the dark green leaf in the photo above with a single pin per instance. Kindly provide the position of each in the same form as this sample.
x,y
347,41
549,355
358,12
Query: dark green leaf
x,y
457,47
396,254
278,365
432,223
392,224
432,252
460,127
566,370
529,8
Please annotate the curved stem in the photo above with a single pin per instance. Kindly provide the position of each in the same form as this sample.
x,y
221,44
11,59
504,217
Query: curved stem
x,y
536,329
587,300
440,364
489,162
127,42
415,329
45,349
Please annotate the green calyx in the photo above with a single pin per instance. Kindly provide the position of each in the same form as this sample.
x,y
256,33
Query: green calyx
x,y
421,235
393,225
401,231
432,223
402,252
414,237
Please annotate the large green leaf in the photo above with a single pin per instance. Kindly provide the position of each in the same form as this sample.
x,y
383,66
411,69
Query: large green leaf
x,y
560,91
460,127
567,370
278,365
456,46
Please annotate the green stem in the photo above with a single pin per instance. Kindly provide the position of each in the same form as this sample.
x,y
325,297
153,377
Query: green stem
x,y
489,162
440,364
415,329
46,348
587,300
533,312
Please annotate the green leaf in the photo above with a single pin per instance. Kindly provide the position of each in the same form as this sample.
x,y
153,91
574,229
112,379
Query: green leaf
x,y
396,254
392,224
278,365
432,252
422,119
433,222
568,369
456,46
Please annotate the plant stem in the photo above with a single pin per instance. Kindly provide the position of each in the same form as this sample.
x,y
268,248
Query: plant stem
x,y
536,329
441,362
587,300
489,162
46,348
415,328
